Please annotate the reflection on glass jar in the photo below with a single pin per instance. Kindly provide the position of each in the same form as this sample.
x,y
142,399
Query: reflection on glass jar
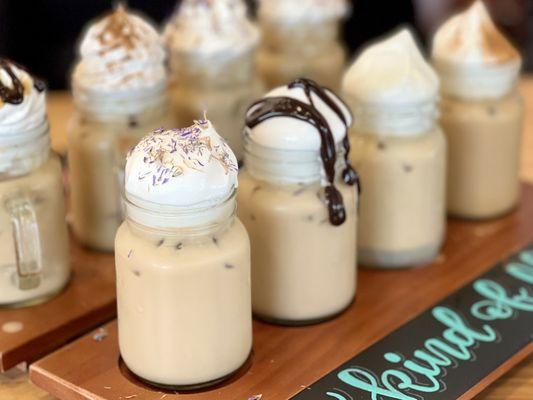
x,y
34,262
103,130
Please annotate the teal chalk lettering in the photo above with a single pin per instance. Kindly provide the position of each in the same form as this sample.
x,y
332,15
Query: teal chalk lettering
x,y
365,381
456,324
520,271
494,291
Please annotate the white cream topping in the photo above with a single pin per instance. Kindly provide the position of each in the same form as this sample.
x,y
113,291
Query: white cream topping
x,y
301,11
17,119
24,141
210,27
391,72
473,58
287,133
185,167
120,52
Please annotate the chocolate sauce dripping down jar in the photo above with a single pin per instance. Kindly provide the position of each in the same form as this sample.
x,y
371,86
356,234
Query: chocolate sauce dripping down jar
x,y
299,210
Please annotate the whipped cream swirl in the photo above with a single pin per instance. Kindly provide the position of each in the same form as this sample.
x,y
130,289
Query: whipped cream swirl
x,y
120,52
391,88
302,11
210,28
187,167
473,58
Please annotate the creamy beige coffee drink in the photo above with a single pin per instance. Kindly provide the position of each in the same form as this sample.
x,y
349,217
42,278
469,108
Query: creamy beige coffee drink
x,y
119,87
212,47
183,261
34,263
481,114
298,202
399,152
300,38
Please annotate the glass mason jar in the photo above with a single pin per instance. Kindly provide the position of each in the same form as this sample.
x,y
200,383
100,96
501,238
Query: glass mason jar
x,y
291,51
400,155
101,133
34,263
223,86
183,293
303,267
484,138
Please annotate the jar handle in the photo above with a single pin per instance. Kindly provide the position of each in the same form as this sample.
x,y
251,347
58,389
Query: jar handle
x,y
27,241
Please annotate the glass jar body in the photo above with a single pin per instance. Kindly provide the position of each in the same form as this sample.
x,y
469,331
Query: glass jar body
x,y
402,204
484,139
222,86
32,215
303,267
184,308
312,50
97,151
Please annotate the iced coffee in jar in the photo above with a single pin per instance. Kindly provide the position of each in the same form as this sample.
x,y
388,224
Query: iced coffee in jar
x,y
212,47
34,264
400,153
298,200
301,38
481,113
183,261
120,92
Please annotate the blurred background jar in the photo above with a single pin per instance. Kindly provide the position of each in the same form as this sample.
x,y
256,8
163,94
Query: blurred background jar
x,y
34,264
212,48
120,92
301,39
481,113
400,154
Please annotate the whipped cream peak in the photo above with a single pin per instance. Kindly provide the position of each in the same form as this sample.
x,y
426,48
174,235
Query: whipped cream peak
x,y
472,56
390,73
120,52
187,167
284,132
24,141
302,11
210,27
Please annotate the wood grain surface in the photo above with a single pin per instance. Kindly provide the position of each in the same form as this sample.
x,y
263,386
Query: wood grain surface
x,y
515,385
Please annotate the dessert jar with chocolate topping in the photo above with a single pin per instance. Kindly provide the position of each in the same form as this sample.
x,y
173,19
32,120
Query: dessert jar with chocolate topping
x,y
34,263
399,152
212,47
299,209
481,113
183,262
120,92
301,38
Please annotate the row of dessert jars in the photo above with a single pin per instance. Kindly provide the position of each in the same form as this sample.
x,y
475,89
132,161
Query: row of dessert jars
x,y
34,256
104,128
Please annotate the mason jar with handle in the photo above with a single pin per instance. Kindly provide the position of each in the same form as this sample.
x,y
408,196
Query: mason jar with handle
x,y
34,263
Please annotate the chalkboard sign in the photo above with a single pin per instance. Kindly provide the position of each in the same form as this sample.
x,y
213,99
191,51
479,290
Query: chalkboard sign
x,y
446,350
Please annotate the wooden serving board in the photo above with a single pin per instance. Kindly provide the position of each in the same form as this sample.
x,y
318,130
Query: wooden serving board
x,y
287,360
29,333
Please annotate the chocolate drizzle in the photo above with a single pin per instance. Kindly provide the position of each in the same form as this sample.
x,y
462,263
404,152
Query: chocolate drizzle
x,y
271,107
14,93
